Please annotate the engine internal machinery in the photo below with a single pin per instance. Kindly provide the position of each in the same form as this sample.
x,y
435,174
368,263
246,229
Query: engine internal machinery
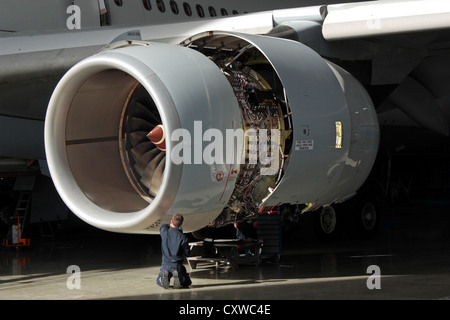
x,y
265,116
243,122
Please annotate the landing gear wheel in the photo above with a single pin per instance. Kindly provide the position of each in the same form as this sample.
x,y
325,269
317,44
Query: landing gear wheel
x,y
367,218
326,223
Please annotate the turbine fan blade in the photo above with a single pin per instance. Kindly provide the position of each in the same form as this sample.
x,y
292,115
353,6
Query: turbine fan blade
x,y
157,178
138,124
149,171
144,160
140,149
138,137
141,111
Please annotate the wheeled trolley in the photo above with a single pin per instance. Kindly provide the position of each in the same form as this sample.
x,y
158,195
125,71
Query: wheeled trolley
x,y
269,230
228,253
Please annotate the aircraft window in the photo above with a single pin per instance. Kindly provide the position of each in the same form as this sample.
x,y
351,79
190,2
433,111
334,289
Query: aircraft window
x,y
187,9
174,7
200,11
235,12
119,3
224,12
147,4
161,6
212,12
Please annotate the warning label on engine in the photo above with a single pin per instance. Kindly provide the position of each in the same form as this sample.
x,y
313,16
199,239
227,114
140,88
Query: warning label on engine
x,y
304,145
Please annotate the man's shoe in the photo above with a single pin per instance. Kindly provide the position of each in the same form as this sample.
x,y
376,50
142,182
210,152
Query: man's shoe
x,y
165,280
176,280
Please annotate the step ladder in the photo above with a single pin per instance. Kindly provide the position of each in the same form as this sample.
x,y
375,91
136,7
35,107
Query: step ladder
x,y
15,233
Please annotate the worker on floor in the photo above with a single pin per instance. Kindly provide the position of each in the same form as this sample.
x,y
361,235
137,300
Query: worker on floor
x,y
246,230
174,247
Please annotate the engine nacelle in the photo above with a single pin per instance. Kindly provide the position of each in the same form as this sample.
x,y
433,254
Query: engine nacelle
x,y
246,121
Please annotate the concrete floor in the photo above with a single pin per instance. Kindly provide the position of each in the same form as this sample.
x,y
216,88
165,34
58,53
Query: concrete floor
x,y
413,262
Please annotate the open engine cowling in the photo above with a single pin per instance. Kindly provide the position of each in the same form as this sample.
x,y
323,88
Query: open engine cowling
x,y
218,97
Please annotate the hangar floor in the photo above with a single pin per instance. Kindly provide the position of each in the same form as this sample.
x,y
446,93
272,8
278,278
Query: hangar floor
x,y
411,252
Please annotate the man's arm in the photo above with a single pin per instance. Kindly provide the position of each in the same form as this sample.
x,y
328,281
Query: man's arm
x,y
163,230
186,247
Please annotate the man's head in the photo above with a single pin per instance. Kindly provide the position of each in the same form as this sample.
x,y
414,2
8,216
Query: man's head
x,y
177,220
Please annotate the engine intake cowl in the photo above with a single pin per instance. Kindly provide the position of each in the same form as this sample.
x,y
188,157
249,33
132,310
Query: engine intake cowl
x,y
106,170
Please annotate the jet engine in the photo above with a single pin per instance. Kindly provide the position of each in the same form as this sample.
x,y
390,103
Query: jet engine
x,y
214,128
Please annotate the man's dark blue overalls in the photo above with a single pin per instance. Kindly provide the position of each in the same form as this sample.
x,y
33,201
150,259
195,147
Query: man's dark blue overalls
x,y
174,244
